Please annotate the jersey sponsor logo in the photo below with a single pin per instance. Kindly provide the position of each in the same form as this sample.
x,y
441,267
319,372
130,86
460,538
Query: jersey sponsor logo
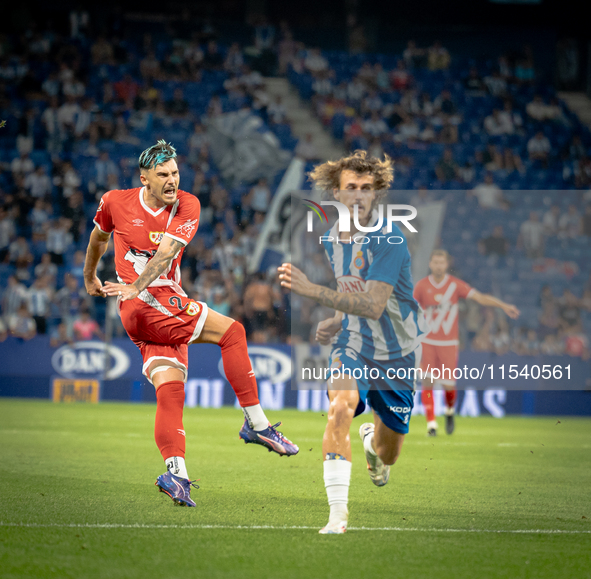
x,y
156,236
401,409
187,228
91,358
268,364
193,309
350,284
138,222
359,262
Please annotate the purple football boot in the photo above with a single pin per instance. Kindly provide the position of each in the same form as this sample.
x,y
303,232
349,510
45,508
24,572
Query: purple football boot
x,y
177,488
269,438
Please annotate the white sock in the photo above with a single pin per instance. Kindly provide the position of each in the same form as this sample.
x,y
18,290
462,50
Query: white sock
x,y
256,417
337,475
432,424
176,466
368,446
450,411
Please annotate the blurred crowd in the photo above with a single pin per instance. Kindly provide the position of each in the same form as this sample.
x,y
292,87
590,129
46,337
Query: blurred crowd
x,y
80,102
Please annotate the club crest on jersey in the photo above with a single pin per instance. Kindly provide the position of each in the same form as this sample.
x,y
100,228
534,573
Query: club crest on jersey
x,y
156,236
336,363
187,228
359,262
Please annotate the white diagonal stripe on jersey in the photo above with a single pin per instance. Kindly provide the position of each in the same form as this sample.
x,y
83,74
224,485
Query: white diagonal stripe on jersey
x,y
337,259
445,306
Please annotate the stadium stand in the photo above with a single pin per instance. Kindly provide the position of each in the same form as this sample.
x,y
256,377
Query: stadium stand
x,y
80,109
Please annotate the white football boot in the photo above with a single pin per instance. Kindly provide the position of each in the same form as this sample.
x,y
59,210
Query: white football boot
x,y
336,527
379,473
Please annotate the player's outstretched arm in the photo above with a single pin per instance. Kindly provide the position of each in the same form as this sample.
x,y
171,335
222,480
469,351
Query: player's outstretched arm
x,y
367,304
488,300
99,241
167,250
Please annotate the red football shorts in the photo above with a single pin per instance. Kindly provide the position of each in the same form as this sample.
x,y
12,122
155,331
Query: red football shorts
x,y
162,323
444,359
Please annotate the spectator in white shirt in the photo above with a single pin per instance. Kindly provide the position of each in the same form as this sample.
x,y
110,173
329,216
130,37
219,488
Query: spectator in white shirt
x,y
276,110
22,165
322,85
46,268
14,296
538,147
38,183
261,197
496,84
510,119
67,114
7,232
570,223
234,59
59,239
531,236
84,119
372,103
39,298
375,126
38,217
19,250
551,219
306,149
489,194
315,62
21,324
494,125
356,89
407,130
104,167
537,109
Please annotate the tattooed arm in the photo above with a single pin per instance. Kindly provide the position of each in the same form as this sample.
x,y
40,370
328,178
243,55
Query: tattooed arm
x,y
167,250
368,304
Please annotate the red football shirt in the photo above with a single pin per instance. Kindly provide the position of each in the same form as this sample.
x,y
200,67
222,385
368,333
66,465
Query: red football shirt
x,y
138,230
440,302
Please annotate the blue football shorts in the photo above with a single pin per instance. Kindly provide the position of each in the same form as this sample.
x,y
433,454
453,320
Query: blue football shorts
x,y
386,386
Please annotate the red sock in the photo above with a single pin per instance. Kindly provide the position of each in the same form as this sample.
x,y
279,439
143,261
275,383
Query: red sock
x,y
450,397
237,365
428,404
168,430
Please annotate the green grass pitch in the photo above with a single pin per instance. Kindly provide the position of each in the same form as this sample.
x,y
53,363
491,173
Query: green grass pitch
x,y
77,500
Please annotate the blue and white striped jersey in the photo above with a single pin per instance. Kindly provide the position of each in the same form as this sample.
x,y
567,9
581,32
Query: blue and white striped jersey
x,y
384,257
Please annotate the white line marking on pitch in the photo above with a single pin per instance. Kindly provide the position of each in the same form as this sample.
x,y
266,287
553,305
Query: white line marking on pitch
x,y
286,528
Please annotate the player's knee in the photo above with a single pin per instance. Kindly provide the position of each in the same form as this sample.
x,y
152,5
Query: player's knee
x,y
342,408
233,335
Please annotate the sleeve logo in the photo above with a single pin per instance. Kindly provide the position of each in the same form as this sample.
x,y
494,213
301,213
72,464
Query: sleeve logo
x,y
187,228
100,207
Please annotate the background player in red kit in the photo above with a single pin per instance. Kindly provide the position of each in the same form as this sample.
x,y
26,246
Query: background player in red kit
x,y
152,225
438,294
